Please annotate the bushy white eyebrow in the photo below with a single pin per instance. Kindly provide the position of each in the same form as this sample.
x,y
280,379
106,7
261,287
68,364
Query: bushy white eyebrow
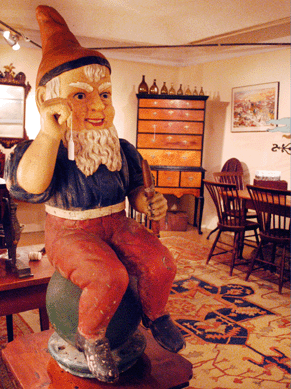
x,y
82,85
104,86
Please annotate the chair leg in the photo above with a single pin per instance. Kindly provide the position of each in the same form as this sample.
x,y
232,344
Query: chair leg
x,y
211,232
257,237
255,256
241,236
282,266
272,267
274,252
236,249
213,247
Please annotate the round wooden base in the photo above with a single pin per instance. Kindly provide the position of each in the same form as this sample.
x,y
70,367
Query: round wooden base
x,y
74,362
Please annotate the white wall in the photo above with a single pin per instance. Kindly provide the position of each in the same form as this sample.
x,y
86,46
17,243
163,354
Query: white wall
x,y
253,149
217,78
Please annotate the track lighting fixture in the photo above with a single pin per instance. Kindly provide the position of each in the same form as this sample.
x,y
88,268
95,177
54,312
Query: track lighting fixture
x,y
12,40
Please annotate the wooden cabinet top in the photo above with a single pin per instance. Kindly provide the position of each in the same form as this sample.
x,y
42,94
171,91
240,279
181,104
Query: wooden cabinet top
x,y
171,97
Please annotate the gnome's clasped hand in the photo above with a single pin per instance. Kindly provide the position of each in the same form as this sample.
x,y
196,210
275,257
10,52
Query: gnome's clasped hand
x,y
157,207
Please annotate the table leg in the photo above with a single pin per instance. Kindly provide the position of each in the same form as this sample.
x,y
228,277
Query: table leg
x,y
9,326
43,318
199,204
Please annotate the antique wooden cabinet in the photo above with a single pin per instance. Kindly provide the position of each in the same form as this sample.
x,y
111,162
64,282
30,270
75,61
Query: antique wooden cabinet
x,y
170,131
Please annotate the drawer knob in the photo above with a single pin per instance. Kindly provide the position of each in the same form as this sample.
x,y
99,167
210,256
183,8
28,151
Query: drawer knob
x,y
171,112
186,127
169,138
190,178
168,153
169,179
155,102
185,158
153,139
187,114
155,113
185,142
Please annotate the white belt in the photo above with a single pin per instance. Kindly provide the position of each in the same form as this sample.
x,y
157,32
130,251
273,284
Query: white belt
x,y
86,214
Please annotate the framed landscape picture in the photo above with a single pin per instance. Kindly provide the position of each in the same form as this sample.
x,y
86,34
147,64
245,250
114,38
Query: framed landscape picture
x,y
253,106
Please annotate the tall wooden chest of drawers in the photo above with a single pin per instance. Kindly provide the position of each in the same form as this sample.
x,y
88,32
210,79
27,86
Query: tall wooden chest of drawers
x,y
170,131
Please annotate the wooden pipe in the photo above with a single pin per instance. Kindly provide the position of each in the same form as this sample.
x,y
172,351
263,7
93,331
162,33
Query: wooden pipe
x,y
149,191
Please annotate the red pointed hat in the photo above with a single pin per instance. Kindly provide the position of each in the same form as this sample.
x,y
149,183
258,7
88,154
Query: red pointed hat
x,y
60,49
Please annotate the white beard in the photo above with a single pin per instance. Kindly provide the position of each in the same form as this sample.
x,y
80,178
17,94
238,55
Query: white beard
x,y
96,147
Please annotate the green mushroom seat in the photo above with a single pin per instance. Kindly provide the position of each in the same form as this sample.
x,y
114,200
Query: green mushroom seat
x,y
126,342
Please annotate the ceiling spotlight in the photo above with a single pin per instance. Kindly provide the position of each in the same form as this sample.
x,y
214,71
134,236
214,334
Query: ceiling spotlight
x,y
16,46
12,40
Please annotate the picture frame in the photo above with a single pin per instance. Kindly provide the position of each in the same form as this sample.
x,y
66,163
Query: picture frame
x,y
253,106
13,94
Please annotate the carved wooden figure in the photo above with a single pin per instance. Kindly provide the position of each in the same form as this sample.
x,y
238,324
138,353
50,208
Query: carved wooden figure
x,y
89,239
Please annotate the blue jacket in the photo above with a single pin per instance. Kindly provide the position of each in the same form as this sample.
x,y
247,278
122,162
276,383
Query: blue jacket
x,y
70,188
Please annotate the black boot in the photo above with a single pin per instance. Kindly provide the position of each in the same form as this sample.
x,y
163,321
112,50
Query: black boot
x,y
165,332
99,358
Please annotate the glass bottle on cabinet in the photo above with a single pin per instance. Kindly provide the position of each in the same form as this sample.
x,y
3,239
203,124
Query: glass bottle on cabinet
x,y
188,92
172,90
201,93
195,93
180,91
154,90
164,90
143,87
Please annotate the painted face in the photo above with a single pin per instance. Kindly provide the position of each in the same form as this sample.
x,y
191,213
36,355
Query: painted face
x,y
91,101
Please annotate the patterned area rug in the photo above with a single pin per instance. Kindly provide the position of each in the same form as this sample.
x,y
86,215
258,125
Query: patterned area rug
x,y
237,332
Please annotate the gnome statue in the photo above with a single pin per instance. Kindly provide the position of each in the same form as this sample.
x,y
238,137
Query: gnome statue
x,y
83,172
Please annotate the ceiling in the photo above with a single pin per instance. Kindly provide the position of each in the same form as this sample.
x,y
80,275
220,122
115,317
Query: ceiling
x,y
200,30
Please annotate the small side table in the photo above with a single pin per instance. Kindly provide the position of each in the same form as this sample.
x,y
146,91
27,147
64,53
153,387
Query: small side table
x,y
30,366
23,294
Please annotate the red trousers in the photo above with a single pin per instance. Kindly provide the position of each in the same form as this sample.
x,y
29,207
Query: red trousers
x,y
98,255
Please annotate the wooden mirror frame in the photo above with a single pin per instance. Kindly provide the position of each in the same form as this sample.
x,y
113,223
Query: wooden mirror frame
x,y
17,80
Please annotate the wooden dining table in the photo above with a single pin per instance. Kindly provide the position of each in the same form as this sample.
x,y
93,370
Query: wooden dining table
x,y
248,203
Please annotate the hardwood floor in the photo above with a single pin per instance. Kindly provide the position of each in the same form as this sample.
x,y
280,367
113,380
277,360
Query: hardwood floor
x,y
31,238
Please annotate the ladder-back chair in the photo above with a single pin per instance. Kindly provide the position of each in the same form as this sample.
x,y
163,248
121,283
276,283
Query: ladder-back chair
x,y
235,178
231,218
231,165
273,212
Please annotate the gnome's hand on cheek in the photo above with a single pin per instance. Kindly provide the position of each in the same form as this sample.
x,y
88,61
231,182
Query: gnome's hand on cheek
x,y
54,116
